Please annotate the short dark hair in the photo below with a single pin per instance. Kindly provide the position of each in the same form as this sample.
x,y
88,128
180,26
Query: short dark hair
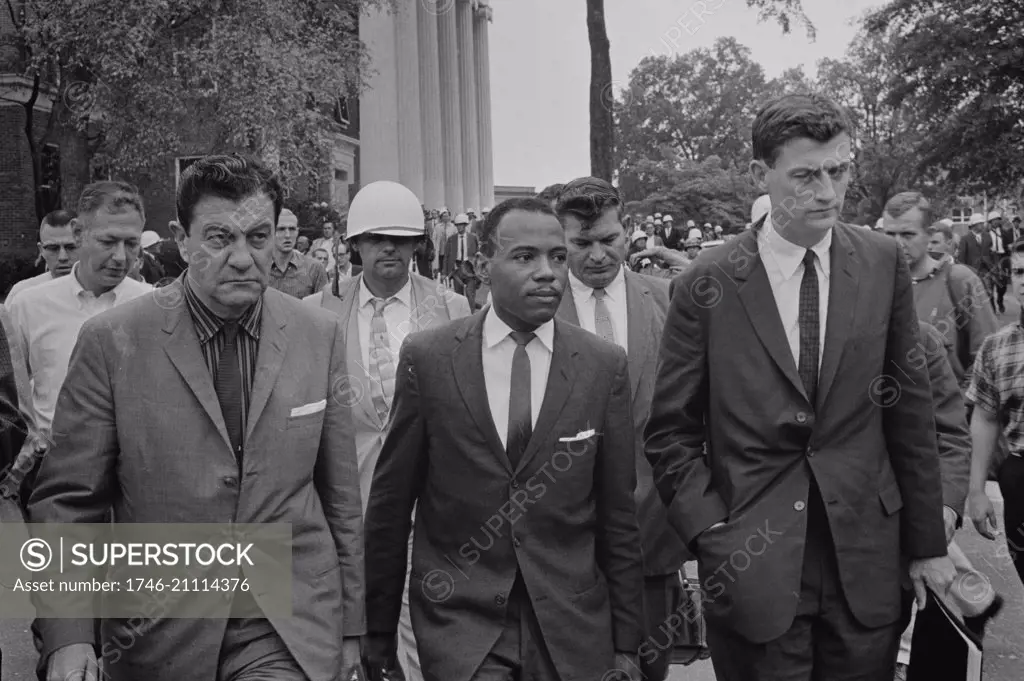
x,y
111,194
550,193
941,228
488,235
57,218
796,116
230,176
904,202
586,199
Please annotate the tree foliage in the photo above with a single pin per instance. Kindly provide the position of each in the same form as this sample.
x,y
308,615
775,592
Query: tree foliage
x,y
145,76
960,64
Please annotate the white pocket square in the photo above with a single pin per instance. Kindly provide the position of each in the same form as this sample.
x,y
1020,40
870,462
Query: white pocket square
x,y
582,435
311,408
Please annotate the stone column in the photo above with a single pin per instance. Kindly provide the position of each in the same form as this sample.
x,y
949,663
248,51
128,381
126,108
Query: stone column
x,y
482,50
451,121
410,131
378,104
430,107
467,106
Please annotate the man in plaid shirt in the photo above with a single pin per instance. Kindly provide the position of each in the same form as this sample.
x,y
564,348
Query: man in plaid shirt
x,y
997,391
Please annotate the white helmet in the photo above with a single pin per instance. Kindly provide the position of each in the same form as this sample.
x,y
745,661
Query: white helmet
x,y
386,208
762,206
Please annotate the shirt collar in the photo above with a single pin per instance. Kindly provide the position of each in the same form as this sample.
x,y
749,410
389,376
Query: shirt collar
x,y
209,324
78,290
615,291
784,256
296,258
495,331
403,296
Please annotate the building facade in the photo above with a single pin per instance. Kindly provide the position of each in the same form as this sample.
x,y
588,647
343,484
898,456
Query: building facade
x,y
426,117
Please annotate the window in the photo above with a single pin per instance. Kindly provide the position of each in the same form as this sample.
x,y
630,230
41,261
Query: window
x,y
341,114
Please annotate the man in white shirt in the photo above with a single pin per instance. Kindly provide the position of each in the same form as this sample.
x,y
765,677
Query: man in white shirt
x,y
459,254
57,248
792,434
527,576
108,231
628,310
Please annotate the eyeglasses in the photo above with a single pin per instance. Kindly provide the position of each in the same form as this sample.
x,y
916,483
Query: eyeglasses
x,y
55,248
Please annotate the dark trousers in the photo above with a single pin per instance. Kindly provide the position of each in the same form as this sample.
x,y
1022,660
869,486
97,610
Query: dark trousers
x,y
520,653
1011,484
825,641
664,614
252,650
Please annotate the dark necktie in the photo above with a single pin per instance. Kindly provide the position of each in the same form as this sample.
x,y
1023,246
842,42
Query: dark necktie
x,y
810,327
229,388
520,412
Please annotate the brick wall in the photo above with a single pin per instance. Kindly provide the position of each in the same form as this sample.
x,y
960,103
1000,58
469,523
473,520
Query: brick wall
x,y
18,226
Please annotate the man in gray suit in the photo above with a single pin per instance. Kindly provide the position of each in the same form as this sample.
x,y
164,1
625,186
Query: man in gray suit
x,y
627,309
512,437
385,222
198,404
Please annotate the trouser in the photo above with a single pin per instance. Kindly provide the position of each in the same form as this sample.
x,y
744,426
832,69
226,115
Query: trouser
x,y
825,641
1011,484
970,595
663,601
252,650
519,654
408,654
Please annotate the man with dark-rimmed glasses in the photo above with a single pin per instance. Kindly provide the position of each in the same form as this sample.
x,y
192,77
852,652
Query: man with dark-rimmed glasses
x,y
57,249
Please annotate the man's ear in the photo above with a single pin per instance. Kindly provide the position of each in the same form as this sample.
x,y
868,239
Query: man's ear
x,y
759,173
483,268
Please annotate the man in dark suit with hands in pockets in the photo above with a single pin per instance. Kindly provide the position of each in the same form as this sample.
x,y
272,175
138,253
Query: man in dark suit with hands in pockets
x,y
511,434
789,354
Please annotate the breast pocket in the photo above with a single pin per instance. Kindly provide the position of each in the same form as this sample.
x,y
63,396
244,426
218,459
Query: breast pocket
x,y
305,420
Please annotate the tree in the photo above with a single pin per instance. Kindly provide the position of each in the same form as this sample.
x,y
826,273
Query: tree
x,y
142,76
688,108
961,64
602,96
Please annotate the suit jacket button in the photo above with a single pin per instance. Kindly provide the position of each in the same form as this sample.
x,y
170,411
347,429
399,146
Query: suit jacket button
x,y
515,541
798,506
810,452
500,599
515,484
230,481
801,418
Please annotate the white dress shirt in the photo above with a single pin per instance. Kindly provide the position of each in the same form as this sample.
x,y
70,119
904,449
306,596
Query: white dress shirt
x,y
783,262
614,299
397,317
460,252
26,284
498,348
48,318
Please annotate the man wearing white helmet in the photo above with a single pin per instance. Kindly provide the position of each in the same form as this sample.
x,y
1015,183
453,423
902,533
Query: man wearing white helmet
x,y
381,306
459,252
290,271
669,236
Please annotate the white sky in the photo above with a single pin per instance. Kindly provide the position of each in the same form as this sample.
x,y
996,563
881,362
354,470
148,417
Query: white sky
x,y
540,66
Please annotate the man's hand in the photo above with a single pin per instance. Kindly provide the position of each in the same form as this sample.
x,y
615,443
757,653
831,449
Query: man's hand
x,y
76,662
350,657
937,573
949,517
983,514
628,667
380,658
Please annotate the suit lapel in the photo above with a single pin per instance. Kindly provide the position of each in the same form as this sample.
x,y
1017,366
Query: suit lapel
x,y
468,367
755,293
639,309
182,347
842,304
270,356
561,377
567,308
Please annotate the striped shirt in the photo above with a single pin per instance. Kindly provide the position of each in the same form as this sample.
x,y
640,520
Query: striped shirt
x,y
997,382
210,330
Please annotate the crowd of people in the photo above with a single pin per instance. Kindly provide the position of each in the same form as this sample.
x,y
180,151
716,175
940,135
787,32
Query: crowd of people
x,y
501,440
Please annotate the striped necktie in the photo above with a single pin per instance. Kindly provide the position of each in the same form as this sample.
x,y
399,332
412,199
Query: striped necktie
x,y
382,365
602,317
